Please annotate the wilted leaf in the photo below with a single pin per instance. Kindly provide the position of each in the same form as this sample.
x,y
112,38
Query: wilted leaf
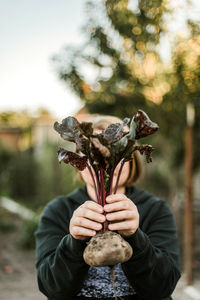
x,y
147,150
97,157
117,150
71,130
82,144
74,159
114,131
145,126
86,128
68,129
103,151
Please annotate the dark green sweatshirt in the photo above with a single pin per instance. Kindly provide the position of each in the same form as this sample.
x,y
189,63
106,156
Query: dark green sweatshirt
x,y
152,271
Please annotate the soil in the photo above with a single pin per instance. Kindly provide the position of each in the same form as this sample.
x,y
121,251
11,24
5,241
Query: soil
x,y
17,266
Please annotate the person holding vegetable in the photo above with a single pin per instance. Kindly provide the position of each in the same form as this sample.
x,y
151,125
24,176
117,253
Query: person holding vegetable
x,y
69,222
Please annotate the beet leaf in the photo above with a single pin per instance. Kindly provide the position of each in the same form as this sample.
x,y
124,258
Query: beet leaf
x,y
101,152
144,126
114,132
74,159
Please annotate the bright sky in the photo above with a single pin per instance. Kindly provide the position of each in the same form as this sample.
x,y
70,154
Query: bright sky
x,y
31,31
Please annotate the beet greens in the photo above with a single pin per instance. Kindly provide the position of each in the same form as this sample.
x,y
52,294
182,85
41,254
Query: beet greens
x,y
101,152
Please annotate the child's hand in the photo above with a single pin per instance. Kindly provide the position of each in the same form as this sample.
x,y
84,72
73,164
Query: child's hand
x,y
122,213
86,220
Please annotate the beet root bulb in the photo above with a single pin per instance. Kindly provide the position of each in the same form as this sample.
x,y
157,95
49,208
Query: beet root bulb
x,y
107,249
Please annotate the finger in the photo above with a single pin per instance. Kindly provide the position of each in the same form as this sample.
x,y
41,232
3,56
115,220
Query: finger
x,y
115,198
81,231
126,225
93,206
120,205
82,222
120,215
91,215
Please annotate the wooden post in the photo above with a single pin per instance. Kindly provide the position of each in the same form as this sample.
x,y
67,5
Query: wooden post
x,y
188,214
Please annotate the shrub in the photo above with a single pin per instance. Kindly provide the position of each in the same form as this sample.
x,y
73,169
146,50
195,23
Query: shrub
x,y
27,239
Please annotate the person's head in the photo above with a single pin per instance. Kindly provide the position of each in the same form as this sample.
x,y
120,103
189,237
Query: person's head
x,y
132,170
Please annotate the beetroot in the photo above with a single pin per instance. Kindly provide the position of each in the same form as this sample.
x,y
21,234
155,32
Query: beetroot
x,y
101,153
107,249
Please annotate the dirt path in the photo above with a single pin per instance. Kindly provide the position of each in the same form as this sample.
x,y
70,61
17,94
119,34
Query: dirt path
x,y
17,270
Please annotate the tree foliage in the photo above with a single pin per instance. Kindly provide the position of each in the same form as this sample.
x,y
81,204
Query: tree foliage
x,y
122,54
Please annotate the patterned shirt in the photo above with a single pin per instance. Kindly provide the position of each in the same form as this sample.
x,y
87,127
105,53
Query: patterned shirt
x,y
98,283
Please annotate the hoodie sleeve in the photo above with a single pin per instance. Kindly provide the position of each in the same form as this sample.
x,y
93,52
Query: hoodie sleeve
x,y
153,269
61,269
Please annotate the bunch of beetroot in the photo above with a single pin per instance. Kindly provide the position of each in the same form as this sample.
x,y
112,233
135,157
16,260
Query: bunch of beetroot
x,y
101,153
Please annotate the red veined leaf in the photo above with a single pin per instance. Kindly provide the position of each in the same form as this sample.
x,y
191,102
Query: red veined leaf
x,y
74,159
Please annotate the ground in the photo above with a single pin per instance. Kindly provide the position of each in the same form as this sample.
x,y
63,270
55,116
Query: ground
x,y
17,269
18,276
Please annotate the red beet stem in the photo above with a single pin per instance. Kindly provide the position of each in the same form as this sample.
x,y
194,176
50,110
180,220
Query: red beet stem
x,y
103,187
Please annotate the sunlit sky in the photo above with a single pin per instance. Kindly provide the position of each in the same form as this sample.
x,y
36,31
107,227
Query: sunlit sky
x,y
31,31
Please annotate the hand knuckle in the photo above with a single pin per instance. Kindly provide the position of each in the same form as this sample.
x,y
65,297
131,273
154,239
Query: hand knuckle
x,y
124,224
87,203
83,212
70,226
79,210
81,206
126,204
133,224
130,214
80,221
75,230
75,213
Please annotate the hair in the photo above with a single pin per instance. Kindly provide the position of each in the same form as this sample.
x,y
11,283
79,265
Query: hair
x,y
101,122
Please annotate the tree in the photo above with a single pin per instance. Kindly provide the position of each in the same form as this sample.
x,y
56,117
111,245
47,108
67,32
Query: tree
x,y
185,88
122,52
127,71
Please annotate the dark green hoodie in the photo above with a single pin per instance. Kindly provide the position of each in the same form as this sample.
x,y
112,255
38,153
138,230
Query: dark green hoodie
x,y
152,271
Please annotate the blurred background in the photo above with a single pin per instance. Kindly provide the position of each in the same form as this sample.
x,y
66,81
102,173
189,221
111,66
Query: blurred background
x,y
109,57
